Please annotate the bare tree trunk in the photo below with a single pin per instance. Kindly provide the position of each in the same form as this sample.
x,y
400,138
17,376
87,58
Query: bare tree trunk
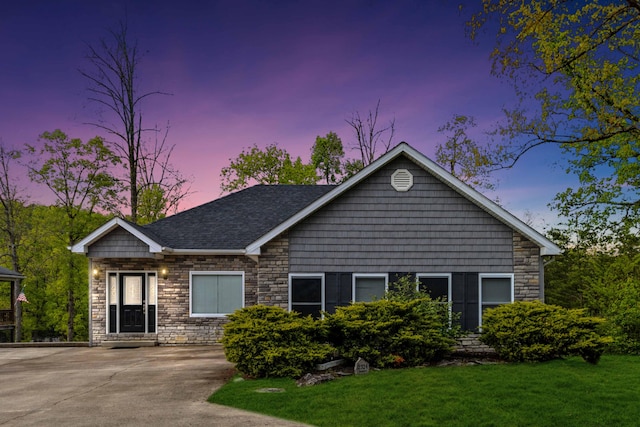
x,y
368,135
72,314
114,86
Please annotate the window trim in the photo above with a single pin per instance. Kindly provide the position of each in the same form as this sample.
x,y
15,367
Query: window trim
x,y
306,276
481,276
213,273
365,275
441,275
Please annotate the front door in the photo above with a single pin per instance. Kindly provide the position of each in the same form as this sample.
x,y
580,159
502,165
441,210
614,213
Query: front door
x,y
132,302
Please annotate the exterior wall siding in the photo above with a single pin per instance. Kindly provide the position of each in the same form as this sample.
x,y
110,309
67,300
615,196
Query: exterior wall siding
x,y
119,244
375,229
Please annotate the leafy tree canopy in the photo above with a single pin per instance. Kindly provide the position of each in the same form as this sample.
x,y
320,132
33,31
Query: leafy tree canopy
x,y
273,165
464,158
76,172
326,156
576,67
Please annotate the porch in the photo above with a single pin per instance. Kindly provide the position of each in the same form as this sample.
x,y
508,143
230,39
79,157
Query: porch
x,y
9,288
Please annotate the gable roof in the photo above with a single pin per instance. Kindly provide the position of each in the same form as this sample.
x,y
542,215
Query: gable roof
x,y
242,222
226,225
547,247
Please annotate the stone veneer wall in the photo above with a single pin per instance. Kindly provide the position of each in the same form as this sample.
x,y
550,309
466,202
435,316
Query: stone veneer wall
x,y
273,273
174,326
526,268
471,345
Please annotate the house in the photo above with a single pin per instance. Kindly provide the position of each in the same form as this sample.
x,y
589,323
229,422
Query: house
x,y
310,248
10,283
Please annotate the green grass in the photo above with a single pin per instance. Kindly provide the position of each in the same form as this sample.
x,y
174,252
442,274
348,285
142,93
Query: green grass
x,y
558,393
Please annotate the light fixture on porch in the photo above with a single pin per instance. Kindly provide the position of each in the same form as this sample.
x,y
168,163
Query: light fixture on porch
x,y
95,273
164,274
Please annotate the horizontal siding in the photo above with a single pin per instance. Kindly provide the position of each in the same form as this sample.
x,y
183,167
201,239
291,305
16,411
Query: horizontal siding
x,y
119,244
374,228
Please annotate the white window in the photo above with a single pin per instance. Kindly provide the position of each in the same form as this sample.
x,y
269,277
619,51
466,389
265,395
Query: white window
x,y
306,294
215,293
495,289
437,285
369,287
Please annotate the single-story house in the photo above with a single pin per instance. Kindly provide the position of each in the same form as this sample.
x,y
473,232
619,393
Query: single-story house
x,y
310,249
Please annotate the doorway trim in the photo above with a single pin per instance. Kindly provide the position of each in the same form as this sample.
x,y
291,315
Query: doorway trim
x,y
113,299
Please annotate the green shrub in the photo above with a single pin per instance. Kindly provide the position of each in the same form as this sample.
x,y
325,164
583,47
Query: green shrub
x,y
390,333
270,342
533,331
404,289
622,310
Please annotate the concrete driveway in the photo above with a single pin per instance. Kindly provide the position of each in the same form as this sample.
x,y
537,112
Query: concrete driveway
x,y
160,386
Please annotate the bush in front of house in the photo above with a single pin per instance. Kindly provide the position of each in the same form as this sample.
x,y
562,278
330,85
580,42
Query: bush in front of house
x,y
268,341
404,289
534,331
390,333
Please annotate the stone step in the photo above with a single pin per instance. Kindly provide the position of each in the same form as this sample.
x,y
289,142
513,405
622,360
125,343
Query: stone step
x,y
129,344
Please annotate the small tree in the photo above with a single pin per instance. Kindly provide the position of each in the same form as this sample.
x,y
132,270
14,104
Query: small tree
x,y
326,156
78,174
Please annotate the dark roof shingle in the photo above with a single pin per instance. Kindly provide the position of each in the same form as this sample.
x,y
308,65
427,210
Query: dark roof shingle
x,y
236,220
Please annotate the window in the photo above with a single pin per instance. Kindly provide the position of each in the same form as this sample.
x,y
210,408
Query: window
x,y
438,285
306,294
214,294
369,287
495,289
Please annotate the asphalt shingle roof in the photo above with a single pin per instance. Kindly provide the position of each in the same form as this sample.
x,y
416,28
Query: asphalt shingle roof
x,y
236,220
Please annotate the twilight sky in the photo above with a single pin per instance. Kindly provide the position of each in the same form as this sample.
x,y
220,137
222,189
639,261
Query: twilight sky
x,y
256,72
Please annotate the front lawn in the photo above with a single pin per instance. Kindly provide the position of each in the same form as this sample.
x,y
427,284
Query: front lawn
x,y
562,392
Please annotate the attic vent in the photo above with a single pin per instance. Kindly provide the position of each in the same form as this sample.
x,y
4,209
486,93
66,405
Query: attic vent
x,y
402,180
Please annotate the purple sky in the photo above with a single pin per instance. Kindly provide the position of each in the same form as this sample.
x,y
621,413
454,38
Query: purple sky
x,y
256,72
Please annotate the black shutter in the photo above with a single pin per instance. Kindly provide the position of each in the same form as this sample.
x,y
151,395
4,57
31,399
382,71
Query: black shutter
x,y
471,302
337,290
464,290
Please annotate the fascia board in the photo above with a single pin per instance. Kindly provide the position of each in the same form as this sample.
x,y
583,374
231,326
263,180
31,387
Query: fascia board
x,y
205,251
11,276
82,247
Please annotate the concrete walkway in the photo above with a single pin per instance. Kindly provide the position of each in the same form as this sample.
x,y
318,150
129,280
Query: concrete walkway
x,y
158,386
